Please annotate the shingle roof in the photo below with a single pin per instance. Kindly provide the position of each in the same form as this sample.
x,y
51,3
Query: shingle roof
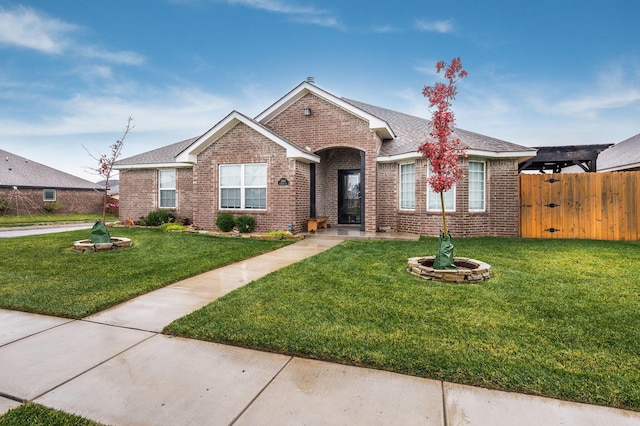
x,y
625,154
411,131
22,172
166,154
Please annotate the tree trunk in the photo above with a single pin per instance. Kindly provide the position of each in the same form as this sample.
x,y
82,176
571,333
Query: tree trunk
x,y
444,216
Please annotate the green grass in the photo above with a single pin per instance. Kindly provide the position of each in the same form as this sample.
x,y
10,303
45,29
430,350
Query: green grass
x,y
42,219
41,274
37,415
559,318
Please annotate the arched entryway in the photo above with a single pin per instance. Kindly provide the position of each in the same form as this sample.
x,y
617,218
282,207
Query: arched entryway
x,y
338,186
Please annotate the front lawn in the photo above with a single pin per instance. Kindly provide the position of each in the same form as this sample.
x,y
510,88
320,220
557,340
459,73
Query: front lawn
x,y
559,318
41,274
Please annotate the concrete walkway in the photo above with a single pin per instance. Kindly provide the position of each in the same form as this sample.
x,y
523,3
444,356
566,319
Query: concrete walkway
x,y
24,231
114,367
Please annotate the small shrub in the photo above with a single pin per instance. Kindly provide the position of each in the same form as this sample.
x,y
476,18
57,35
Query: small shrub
x,y
52,207
225,222
279,235
158,217
245,223
141,222
169,227
5,205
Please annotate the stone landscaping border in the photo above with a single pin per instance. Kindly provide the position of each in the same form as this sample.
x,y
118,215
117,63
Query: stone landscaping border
x,y
469,270
86,246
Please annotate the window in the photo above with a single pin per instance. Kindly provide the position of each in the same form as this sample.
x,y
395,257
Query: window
x,y
167,188
476,186
243,186
48,194
408,186
433,198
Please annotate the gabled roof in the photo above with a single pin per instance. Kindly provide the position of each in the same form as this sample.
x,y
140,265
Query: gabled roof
x,y
624,155
158,158
23,173
376,124
401,133
412,131
190,153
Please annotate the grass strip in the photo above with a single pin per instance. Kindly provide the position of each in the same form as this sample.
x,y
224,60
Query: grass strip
x,y
37,415
559,318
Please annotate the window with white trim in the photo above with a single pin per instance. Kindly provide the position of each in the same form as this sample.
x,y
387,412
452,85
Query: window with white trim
x,y
433,198
476,186
48,195
408,186
167,188
243,186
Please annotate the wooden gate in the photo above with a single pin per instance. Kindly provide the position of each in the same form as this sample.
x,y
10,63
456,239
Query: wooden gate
x,y
601,206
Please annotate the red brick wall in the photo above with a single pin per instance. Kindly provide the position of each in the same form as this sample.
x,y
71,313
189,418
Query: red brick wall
x,y
29,200
388,201
500,217
139,193
329,127
285,203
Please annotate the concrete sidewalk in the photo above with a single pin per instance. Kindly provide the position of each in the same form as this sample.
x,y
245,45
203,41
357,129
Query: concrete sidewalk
x,y
114,367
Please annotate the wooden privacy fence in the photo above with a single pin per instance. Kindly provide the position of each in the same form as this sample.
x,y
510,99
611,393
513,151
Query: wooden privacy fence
x,y
601,206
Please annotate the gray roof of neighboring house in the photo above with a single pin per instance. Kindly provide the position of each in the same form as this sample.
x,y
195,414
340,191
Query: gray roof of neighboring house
x,y
166,154
412,131
623,155
22,172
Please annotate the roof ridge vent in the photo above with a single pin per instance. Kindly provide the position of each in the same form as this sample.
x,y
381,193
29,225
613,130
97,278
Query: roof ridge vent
x,y
311,80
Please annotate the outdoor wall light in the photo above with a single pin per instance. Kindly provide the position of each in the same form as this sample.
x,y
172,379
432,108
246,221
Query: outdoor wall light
x,y
307,112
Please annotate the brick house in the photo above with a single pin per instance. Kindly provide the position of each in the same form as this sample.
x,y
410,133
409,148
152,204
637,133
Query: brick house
x,y
29,187
313,154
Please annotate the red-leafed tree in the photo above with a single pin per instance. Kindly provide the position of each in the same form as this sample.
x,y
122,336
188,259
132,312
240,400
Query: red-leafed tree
x,y
106,162
442,149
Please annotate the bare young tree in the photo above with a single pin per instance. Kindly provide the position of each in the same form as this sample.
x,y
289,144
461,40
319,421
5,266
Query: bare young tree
x,y
106,162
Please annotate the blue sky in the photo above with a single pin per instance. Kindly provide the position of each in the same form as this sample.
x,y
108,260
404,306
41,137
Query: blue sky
x,y
559,72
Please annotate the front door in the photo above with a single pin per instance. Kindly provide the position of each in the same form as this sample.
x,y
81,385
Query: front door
x,y
349,206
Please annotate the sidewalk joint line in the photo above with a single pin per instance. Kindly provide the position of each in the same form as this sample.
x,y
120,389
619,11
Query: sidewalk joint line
x,y
93,367
444,404
260,392
13,398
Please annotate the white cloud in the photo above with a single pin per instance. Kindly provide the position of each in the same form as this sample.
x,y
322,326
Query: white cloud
x,y
302,14
591,105
30,29
124,57
442,27
160,109
26,28
385,29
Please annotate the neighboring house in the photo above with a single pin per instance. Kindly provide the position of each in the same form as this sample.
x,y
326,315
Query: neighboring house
x,y
312,154
29,187
623,156
113,187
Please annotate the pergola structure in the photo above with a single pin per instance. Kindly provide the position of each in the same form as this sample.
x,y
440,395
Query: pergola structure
x,y
555,158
